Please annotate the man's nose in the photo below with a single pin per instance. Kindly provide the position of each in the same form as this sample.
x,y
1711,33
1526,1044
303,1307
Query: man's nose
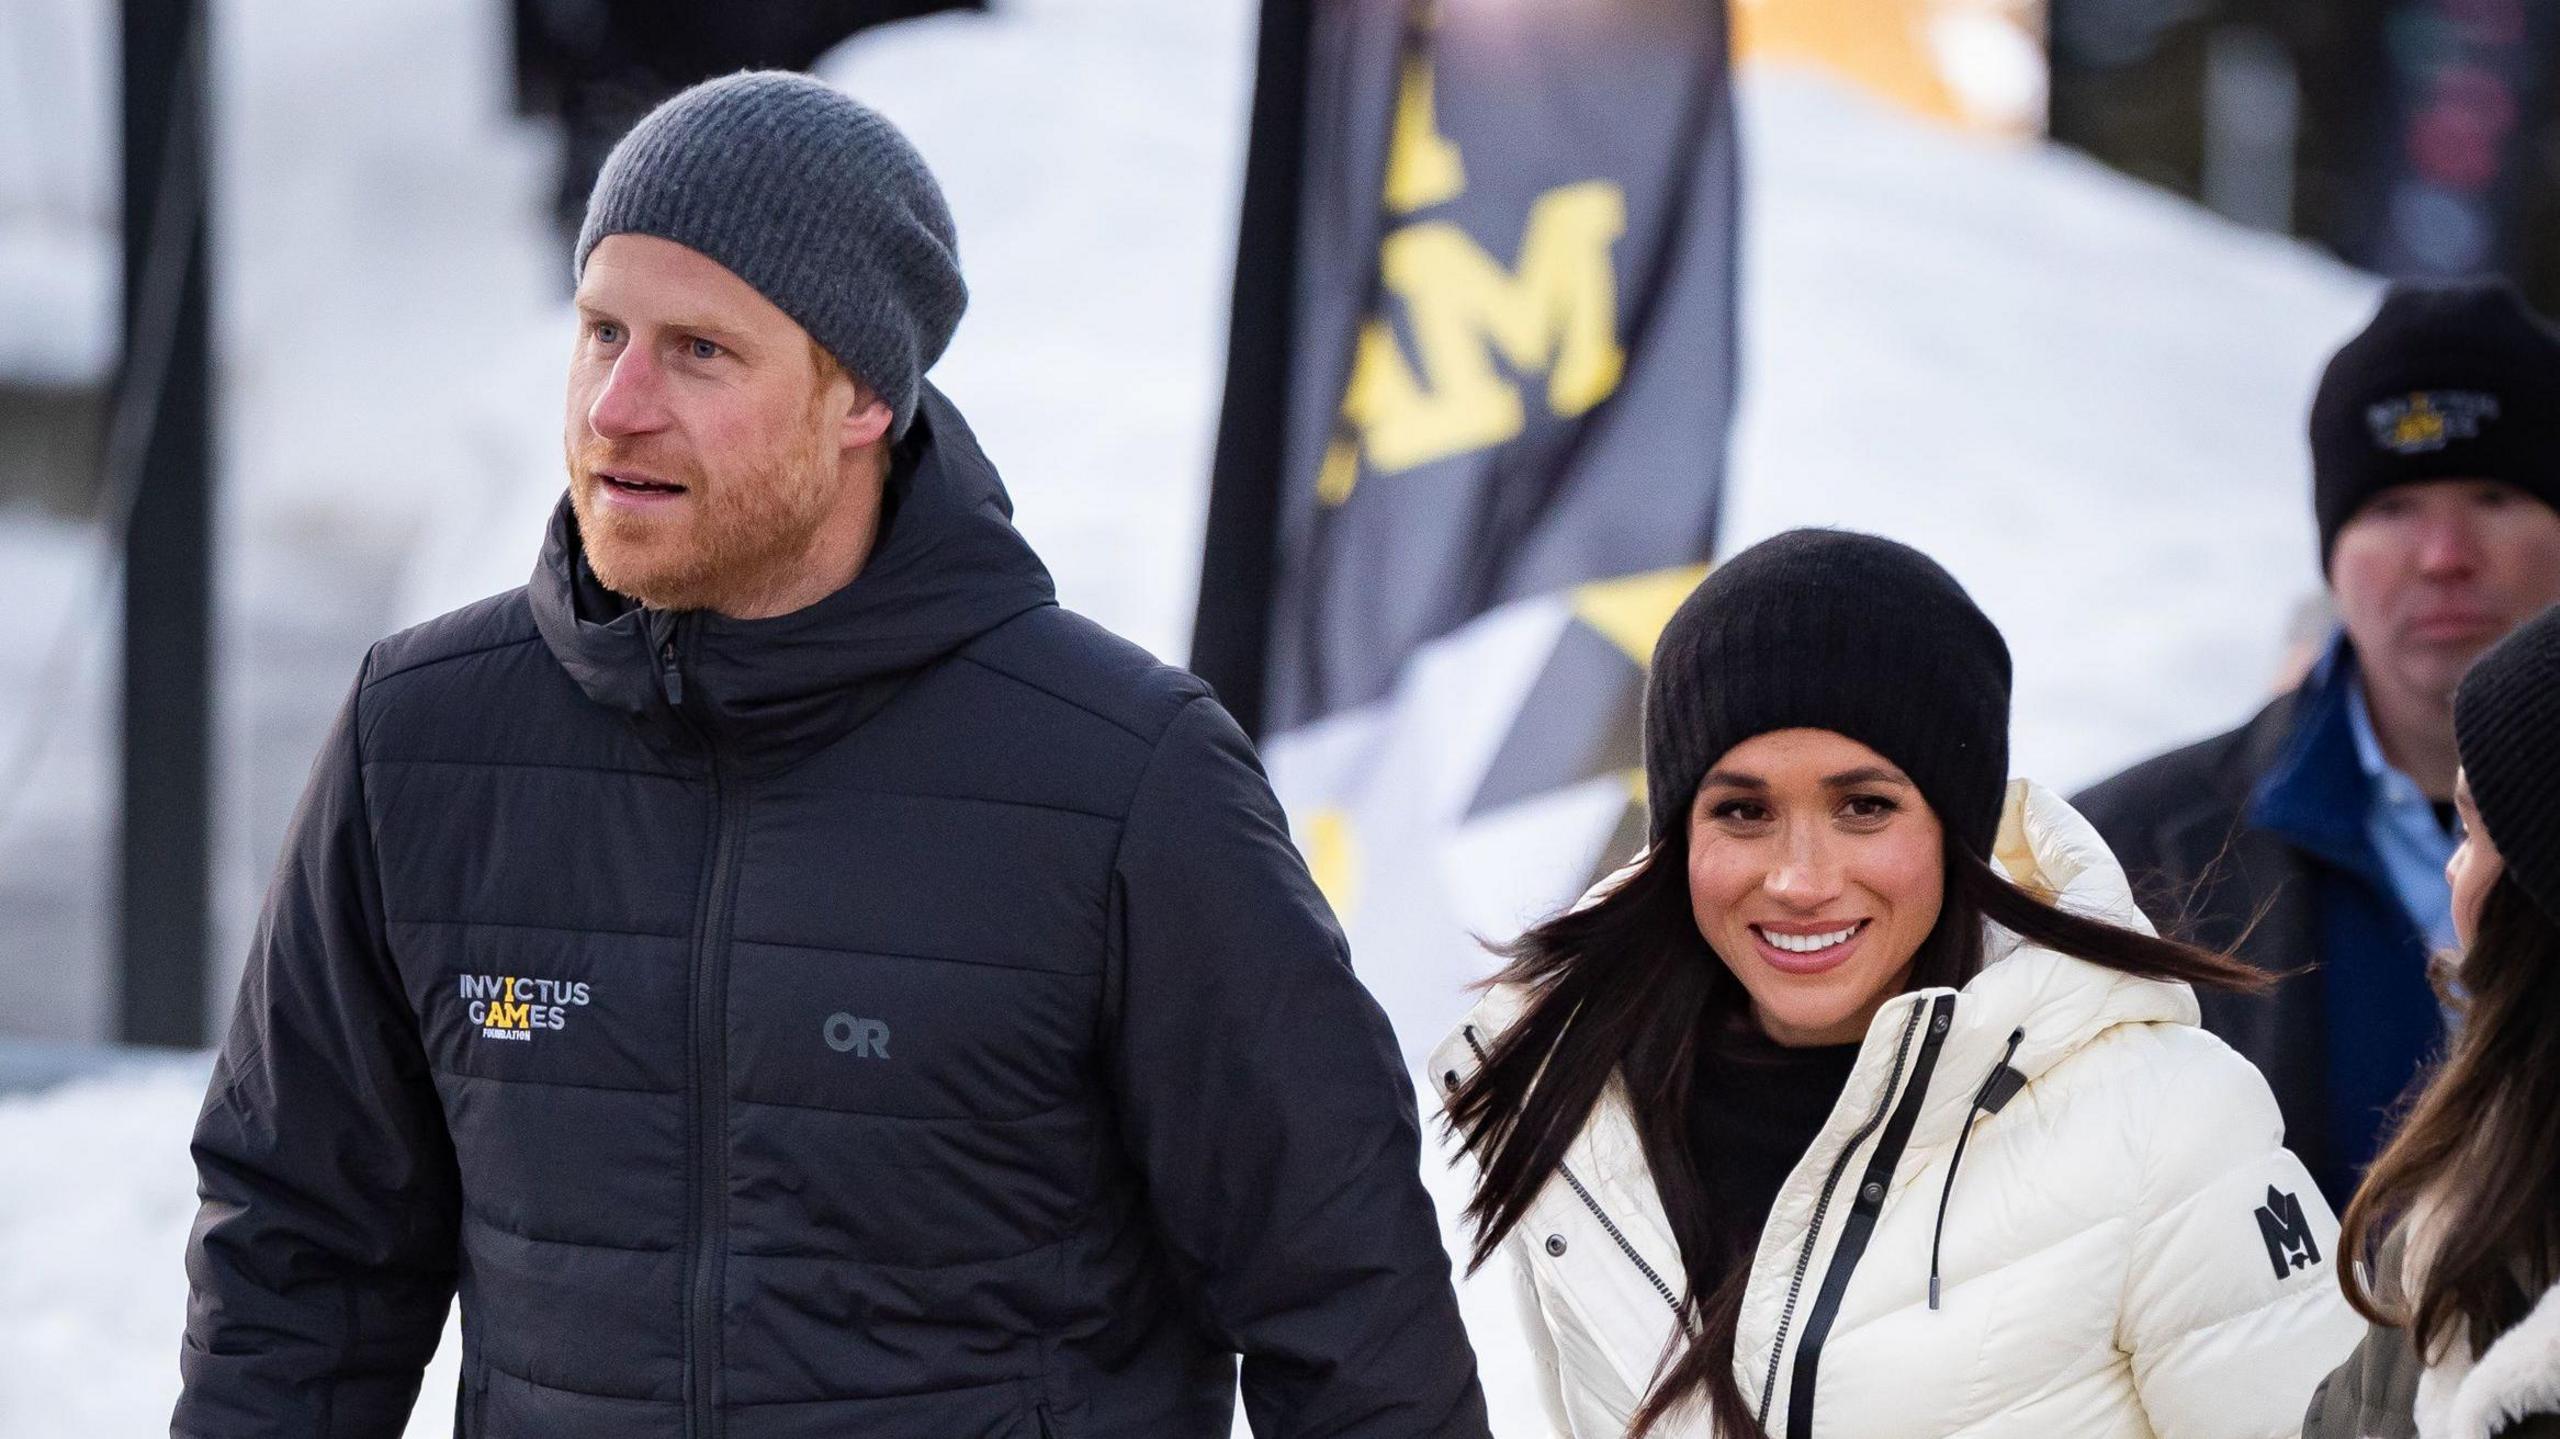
x,y
2449,546
631,401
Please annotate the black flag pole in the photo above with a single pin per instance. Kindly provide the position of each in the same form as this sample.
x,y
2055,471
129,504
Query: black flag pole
x,y
1230,634
160,463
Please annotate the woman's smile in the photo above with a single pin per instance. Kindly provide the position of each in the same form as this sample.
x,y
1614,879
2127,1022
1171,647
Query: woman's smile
x,y
1808,949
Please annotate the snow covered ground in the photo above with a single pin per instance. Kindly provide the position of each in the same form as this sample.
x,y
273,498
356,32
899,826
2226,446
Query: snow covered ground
x,y
2083,396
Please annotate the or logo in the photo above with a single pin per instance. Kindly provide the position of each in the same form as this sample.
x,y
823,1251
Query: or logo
x,y
2288,1234
2428,420
861,1038
510,1007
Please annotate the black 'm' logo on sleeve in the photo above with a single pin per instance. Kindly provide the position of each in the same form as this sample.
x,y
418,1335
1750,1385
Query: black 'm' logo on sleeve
x,y
2288,1234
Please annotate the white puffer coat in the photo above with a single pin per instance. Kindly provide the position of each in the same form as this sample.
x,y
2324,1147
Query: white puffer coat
x,y
2126,1249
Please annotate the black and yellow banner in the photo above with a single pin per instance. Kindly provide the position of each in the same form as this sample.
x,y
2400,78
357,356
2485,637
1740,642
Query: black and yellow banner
x,y
1479,385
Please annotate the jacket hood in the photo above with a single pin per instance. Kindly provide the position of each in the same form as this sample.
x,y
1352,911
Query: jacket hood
x,y
949,566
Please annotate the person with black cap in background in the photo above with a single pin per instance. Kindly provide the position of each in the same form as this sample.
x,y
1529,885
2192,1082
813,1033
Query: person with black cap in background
x,y
2461,1213
2311,841
1863,1102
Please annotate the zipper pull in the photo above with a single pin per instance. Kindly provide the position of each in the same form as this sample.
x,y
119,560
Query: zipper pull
x,y
670,678
1998,1087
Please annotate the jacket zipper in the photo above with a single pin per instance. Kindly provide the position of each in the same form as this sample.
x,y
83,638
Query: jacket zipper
x,y
1861,1223
706,1089
1822,1206
1606,1224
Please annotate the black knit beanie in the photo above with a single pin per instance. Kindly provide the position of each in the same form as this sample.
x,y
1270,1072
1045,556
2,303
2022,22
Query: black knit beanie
x,y
2506,726
2451,381
1828,629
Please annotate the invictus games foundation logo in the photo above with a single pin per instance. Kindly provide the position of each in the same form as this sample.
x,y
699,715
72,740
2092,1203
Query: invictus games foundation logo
x,y
2428,420
509,1007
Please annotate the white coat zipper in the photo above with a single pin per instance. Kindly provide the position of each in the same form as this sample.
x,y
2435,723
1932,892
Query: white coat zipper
x,y
1860,1226
1822,1206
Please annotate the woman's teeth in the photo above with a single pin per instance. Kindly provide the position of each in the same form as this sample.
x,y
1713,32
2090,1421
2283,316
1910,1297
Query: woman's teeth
x,y
1809,943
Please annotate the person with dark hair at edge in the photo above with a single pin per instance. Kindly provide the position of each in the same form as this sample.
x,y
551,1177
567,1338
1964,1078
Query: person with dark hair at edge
x,y
788,974
1863,1102
2311,841
2459,1219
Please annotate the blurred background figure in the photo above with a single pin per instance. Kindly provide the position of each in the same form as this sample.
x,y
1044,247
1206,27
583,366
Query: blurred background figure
x,y
2410,137
2314,838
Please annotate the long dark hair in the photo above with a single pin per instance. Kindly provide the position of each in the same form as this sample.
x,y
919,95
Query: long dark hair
x,y
2480,1146
1625,986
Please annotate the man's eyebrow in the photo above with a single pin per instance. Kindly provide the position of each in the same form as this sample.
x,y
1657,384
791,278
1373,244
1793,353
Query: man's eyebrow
x,y
707,328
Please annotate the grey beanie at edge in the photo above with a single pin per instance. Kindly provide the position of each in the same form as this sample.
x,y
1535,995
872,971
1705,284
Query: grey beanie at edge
x,y
1835,630
809,196
2506,727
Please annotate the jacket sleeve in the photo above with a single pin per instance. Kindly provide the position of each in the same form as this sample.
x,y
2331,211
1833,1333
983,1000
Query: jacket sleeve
x,y
323,1255
2354,1401
2231,1314
1264,1099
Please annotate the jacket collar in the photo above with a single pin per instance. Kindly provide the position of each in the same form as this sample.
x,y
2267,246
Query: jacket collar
x,y
2518,1379
2465,1396
2316,794
949,567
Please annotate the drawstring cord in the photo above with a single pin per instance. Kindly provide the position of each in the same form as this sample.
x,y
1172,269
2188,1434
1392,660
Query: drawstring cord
x,y
1997,1088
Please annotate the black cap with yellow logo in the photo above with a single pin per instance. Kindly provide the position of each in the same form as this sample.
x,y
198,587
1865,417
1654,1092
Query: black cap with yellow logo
x,y
2454,380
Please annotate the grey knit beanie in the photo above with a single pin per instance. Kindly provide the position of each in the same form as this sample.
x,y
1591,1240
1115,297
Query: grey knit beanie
x,y
2506,727
810,196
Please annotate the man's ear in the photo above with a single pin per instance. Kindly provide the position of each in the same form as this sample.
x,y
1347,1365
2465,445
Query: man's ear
x,y
867,422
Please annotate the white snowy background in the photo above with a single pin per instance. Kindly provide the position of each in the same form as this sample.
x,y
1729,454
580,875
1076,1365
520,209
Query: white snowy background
x,y
2082,396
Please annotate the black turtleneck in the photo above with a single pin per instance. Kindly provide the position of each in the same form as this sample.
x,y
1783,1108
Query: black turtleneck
x,y
1754,1109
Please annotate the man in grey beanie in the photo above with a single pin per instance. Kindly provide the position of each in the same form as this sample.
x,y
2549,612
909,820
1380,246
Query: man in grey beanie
x,y
789,976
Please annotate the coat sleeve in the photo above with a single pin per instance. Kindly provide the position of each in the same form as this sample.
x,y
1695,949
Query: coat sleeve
x,y
2231,1314
323,1255
1264,1099
2354,1401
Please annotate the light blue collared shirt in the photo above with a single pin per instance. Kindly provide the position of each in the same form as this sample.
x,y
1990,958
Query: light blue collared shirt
x,y
2401,823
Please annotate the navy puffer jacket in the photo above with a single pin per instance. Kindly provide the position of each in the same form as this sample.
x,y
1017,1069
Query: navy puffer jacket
x,y
905,1018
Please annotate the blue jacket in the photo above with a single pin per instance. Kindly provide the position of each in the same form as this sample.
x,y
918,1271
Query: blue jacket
x,y
2254,842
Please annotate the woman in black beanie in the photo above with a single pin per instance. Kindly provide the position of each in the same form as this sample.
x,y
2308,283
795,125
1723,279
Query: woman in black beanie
x,y
2460,1214
1864,1102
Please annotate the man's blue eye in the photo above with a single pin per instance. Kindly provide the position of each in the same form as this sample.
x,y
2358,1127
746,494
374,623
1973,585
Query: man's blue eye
x,y
705,350
608,334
